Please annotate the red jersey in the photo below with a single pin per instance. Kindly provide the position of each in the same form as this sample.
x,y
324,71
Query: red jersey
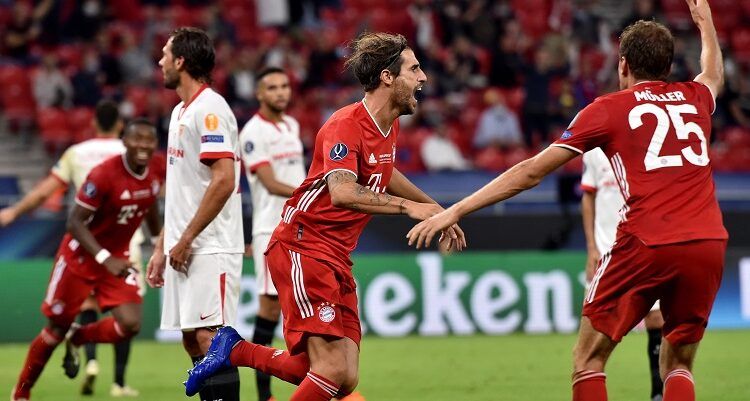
x,y
120,199
350,141
656,138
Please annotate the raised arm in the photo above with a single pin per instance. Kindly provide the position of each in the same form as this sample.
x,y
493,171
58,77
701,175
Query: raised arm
x,y
712,64
347,193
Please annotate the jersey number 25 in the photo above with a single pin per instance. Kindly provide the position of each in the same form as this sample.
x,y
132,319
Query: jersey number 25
x,y
673,117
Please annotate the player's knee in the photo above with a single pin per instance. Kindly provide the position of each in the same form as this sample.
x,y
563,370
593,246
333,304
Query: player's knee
x,y
350,383
129,325
589,358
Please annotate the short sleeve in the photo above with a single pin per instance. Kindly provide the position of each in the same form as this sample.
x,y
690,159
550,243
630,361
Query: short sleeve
x,y
214,130
341,147
63,169
588,129
255,150
706,96
93,191
588,177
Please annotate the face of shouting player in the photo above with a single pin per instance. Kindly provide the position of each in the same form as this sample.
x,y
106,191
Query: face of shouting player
x,y
170,67
408,82
274,92
140,143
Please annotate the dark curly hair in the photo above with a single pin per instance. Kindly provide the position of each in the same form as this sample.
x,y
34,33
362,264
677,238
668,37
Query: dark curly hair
x,y
194,45
373,53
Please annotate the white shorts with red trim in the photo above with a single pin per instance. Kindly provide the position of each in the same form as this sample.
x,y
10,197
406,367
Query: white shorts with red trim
x,y
207,296
262,276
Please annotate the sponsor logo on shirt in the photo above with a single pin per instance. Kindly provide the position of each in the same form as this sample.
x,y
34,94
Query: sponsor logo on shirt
x,y
372,159
211,122
125,195
212,138
565,135
338,152
89,189
142,193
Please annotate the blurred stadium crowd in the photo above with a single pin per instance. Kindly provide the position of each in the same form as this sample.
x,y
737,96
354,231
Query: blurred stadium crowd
x,y
505,76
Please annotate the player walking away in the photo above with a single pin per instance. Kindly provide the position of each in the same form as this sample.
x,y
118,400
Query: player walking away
x,y
203,237
72,169
272,153
600,205
351,177
112,202
671,242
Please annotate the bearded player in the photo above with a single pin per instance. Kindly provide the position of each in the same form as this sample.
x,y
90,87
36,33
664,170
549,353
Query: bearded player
x,y
113,200
351,178
670,244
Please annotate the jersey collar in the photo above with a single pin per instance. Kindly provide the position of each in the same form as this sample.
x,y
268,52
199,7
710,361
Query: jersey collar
x,y
127,167
385,134
185,106
274,123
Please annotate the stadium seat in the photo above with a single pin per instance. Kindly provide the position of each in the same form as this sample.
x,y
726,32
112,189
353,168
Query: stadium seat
x,y
676,13
9,190
80,121
138,97
490,159
741,45
54,129
16,98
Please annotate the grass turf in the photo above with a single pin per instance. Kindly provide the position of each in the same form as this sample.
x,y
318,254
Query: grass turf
x,y
516,367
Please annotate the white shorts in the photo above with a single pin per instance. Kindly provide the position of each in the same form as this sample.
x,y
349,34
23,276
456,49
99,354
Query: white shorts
x,y
207,296
262,276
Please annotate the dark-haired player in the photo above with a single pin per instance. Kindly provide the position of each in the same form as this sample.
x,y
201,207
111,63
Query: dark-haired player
x,y
351,178
110,205
671,241
202,238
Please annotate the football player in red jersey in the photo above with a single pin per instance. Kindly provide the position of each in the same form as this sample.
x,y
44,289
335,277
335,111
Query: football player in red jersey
x,y
115,197
671,240
351,178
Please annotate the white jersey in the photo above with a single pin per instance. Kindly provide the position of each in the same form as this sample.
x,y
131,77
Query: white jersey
x,y
599,177
78,160
278,145
200,131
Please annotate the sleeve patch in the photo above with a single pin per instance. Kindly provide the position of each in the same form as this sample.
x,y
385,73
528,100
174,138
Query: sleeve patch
x,y
211,122
212,138
338,151
89,189
249,147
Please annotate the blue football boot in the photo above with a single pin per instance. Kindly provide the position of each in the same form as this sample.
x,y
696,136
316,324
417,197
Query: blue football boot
x,y
216,358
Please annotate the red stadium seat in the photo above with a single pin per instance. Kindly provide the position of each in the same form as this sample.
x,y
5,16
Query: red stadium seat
x,y
138,97
490,159
741,45
80,121
16,98
54,129
676,13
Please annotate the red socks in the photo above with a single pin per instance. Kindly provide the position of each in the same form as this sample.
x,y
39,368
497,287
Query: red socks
x,y
103,331
679,386
589,385
271,361
315,388
39,353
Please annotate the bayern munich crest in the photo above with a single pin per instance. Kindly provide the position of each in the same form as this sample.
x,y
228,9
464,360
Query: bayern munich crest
x,y
326,313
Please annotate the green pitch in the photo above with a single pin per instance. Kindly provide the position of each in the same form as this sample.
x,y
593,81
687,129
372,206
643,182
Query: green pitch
x,y
518,367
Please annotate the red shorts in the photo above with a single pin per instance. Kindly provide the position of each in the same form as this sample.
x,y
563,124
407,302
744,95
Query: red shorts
x,y
67,289
630,278
316,299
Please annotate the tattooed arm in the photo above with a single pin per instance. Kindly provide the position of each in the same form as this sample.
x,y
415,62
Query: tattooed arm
x,y
346,193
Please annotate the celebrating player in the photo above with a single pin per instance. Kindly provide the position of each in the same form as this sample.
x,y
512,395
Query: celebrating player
x,y
600,206
272,153
671,242
203,215
351,177
112,202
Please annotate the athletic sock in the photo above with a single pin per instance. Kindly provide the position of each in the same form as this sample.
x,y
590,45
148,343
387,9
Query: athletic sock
x,y
272,361
223,386
263,335
315,388
88,317
104,331
122,354
589,385
654,345
679,386
40,351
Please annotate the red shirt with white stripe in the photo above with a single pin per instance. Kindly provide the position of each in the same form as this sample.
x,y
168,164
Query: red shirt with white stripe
x,y
349,141
120,199
656,138
202,130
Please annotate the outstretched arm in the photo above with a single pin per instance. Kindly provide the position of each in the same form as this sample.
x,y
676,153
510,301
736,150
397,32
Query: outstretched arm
x,y
347,193
712,64
31,201
524,175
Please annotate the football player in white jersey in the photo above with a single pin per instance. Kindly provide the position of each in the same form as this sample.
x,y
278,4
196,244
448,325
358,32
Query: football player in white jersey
x,y
202,239
71,170
274,165
600,208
